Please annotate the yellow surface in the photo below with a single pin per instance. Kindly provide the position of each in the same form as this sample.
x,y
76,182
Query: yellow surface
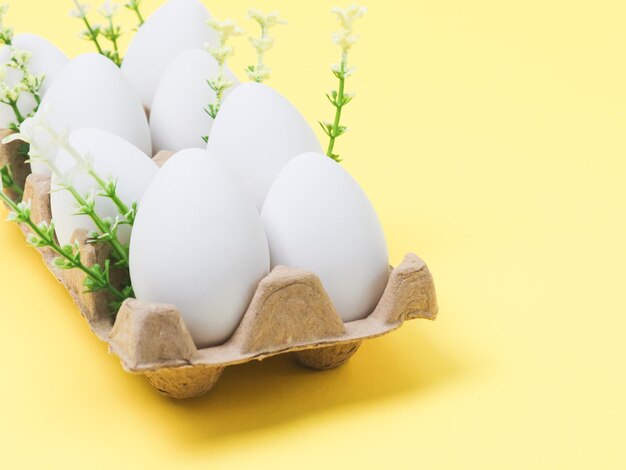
x,y
490,137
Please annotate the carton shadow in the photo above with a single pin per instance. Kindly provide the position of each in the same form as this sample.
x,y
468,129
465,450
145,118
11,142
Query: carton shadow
x,y
277,391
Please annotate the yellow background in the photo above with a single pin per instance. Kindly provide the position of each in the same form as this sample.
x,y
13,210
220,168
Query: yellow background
x,y
490,135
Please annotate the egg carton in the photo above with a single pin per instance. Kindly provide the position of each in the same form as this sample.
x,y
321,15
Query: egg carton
x,y
290,312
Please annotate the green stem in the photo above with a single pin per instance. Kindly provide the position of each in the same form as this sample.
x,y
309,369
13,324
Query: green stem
x,y
16,110
99,279
118,248
94,36
116,50
141,20
122,208
8,182
261,55
339,109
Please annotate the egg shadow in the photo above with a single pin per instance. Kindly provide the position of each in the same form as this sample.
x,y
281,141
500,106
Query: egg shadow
x,y
278,391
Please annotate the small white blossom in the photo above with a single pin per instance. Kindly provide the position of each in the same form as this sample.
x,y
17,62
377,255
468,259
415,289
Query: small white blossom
x,y
6,33
263,44
345,40
81,10
268,20
259,74
108,9
10,94
221,54
219,83
225,29
19,59
348,16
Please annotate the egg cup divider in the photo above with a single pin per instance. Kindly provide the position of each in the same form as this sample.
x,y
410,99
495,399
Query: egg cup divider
x,y
290,313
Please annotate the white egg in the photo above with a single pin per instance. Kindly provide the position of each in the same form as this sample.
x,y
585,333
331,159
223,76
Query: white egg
x,y
198,243
256,133
45,59
91,92
113,159
178,119
175,27
317,218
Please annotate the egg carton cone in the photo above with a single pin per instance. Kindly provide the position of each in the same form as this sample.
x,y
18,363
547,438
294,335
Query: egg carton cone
x,y
290,312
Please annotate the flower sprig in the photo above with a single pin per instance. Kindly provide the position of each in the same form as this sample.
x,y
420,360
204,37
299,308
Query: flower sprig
x,y
10,96
345,39
107,228
6,33
134,5
42,236
93,32
219,84
262,44
29,83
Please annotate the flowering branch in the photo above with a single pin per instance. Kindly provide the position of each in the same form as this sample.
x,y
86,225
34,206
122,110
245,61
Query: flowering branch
x,y
6,33
262,44
134,5
345,39
42,236
219,84
10,95
92,33
107,228
29,83
111,31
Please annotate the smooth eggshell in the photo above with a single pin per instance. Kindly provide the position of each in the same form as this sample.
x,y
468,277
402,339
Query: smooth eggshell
x,y
317,218
175,27
177,117
198,243
45,59
91,92
256,133
113,158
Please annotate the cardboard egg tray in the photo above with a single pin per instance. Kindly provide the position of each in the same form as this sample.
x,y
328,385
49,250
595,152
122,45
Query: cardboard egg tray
x,y
289,313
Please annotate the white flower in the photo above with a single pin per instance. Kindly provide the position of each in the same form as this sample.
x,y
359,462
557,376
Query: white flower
x,y
43,139
108,10
268,20
10,94
262,44
345,40
225,29
19,58
259,74
219,83
81,10
347,72
221,54
348,16
133,4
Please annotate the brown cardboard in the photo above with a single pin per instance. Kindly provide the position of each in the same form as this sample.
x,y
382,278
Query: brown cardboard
x,y
289,313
